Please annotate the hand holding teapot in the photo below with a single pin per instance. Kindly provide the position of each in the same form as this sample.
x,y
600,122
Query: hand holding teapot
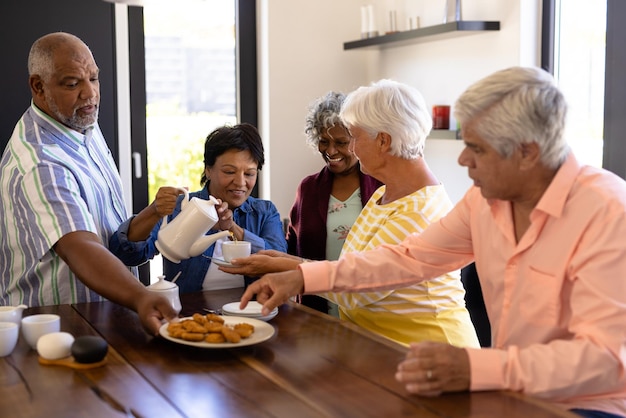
x,y
185,236
165,200
227,222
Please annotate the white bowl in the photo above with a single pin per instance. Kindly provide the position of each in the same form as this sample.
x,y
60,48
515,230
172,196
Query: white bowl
x,y
35,326
8,337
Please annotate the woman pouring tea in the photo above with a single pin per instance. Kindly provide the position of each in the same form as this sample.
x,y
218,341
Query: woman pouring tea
x,y
233,157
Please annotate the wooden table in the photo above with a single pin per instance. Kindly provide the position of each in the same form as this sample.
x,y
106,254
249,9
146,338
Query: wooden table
x,y
314,366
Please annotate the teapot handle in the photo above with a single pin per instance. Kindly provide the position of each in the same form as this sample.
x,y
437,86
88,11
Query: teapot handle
x,y
183,203
185,200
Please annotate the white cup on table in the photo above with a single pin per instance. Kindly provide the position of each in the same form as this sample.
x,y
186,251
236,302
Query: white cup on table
x,y
8,337
235,249
38,325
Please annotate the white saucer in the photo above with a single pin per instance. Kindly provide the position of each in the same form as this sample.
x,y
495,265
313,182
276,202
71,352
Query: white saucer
x,y
221,262
260,318
252,310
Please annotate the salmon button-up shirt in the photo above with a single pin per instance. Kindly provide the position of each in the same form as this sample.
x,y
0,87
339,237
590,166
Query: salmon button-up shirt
x,y
556,299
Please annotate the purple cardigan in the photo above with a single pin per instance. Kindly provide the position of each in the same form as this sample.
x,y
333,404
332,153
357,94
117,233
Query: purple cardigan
x,y
306,236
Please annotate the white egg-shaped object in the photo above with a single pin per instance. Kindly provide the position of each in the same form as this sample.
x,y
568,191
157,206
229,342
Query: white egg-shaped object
x,y
56,345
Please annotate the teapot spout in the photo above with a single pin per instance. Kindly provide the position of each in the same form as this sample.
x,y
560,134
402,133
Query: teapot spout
x,y
205,242
21,307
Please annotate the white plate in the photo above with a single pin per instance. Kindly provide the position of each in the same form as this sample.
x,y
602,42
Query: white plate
x,y
262,332
253,309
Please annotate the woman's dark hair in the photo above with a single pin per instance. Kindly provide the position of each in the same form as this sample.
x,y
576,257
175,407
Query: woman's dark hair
x,y
240,137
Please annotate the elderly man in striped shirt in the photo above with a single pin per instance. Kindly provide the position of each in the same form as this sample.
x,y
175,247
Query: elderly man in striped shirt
x,y
61,194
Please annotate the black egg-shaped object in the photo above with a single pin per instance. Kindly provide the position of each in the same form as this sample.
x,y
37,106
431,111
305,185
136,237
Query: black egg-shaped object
x,y
89,349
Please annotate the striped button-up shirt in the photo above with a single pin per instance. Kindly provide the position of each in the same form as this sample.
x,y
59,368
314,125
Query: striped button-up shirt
x,y
53,181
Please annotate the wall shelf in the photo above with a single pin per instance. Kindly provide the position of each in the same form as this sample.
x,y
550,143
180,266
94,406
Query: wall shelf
x,y
442,134
428,33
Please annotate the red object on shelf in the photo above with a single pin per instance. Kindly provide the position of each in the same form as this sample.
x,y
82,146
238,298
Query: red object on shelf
x,y
441,117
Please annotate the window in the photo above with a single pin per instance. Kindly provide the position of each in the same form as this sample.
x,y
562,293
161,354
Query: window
x,y
190,85
575,54
200,61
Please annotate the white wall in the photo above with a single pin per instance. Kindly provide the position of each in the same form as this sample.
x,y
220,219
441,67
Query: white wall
x,y
302,57
123,103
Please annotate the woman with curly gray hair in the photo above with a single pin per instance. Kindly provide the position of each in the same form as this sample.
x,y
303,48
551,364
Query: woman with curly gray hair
x,y
327,203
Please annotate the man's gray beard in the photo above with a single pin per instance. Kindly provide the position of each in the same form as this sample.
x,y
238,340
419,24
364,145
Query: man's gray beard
x,y
76,122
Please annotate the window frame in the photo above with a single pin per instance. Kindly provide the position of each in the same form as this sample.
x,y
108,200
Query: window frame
x,y
614,144
614,154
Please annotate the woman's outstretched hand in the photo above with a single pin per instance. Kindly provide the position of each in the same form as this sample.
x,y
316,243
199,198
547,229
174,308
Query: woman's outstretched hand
x,y
273,290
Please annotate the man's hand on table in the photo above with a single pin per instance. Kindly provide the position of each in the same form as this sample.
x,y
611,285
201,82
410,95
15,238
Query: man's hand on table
x,y
274,289
152,309
433,368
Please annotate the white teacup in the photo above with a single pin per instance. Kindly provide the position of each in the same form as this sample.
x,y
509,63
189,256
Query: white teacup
x,y
35,326
8,337
235,249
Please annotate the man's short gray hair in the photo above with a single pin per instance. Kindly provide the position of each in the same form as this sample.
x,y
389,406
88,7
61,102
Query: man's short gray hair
x,y
516,106
41,55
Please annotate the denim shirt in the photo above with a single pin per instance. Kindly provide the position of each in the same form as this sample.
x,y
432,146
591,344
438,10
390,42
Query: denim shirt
x,y
260,220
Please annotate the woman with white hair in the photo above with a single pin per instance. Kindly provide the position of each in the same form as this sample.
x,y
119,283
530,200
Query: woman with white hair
x,y
389,122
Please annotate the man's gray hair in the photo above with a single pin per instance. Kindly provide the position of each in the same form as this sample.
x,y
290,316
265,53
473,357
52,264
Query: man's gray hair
x,y
41,55
516,106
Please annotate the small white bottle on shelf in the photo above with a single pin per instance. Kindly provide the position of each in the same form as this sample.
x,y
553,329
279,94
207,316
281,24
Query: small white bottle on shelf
x,y
453,11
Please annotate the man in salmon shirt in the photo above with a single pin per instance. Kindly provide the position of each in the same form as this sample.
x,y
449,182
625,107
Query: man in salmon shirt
x,y
547,235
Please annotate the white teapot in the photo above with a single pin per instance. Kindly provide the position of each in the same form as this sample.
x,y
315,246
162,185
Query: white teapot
x,y
184,237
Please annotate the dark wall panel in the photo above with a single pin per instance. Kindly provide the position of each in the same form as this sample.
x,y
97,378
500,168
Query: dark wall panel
x,y
22,22
615,89
137,63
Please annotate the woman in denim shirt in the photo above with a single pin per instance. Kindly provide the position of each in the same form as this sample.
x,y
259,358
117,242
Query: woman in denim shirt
x,y
232,158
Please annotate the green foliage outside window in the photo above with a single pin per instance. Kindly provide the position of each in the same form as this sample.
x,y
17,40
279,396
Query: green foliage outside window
x,y
176,145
